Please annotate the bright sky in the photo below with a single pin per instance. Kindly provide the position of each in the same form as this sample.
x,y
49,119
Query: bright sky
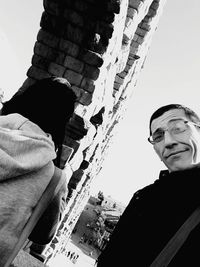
x,y
170,75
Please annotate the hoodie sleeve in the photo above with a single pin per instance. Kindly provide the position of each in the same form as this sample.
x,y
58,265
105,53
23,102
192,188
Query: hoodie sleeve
x,y
24,147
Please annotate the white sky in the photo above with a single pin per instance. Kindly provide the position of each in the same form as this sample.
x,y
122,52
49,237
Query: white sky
x,y
170,75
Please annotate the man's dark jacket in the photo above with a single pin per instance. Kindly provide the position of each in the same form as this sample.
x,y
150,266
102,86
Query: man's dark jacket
x,y
152,217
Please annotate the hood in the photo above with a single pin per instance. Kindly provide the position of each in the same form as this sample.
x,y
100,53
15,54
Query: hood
x,y
24,146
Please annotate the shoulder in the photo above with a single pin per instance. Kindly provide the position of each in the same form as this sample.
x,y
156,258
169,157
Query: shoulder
x,y
145,196
15,121
12,121
147,190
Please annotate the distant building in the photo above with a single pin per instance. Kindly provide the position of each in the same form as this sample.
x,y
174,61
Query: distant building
x,y
97,221
110,203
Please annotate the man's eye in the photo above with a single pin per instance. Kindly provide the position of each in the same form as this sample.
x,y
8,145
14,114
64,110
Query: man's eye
x,y
158,136
178,129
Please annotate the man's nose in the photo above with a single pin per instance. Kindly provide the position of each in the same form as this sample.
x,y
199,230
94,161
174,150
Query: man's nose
x,y
169,139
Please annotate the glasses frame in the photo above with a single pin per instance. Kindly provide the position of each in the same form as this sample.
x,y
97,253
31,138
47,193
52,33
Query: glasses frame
x,y
153,142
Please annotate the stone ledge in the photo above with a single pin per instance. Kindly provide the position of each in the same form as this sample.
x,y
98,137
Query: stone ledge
x,y
24,259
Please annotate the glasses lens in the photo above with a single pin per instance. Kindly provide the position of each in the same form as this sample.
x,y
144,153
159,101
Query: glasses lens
x,y
177,127
158,136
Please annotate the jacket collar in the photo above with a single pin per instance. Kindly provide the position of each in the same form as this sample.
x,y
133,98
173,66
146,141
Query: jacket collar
x,y
182,174
163,174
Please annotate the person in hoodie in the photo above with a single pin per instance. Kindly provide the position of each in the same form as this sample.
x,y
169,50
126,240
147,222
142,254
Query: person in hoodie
x,y
26,167
157,211
42,109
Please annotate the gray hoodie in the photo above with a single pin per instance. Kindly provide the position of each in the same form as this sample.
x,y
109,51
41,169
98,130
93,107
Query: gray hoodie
x,y
26,167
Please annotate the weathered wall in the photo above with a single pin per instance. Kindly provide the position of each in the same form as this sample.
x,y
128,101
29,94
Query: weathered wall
x,y
100,47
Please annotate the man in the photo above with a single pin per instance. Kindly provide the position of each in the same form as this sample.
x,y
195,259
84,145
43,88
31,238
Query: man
x,y
156,212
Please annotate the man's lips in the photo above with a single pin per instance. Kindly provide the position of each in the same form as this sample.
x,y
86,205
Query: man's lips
x,y
175,153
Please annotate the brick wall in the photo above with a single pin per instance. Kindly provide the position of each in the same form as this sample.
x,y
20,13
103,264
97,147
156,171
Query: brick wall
x,y
100,47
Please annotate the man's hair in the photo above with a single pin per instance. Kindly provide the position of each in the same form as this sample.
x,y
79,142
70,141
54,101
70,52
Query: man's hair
x,y
49,103
190,114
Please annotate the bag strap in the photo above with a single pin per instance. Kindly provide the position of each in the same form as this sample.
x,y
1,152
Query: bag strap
x,y
175,243
50,192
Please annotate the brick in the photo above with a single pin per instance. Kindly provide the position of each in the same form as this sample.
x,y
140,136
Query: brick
x,y
71,143
132,12
134,57
49,53
145,26
130,62
73,64
76,128
73,77
77,91
127,68
37,73
56,70
52,7
130,28
152,12
140,40
52,24
135,37
65,155
125,40
81,6
76,178
91,1
41,49
91,58
141,31
117,86
147,19
88,85
40,62
73,34
69,47
58,56
83,97
122,74
47,38
91,72
134,48
118,79
155,5
136,4
115,93
84,165
73,17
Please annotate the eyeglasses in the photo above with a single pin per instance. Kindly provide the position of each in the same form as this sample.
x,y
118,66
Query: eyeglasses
x,y
175,127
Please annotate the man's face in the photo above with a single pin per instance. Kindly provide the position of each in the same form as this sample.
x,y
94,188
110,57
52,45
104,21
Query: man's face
x,y
177,151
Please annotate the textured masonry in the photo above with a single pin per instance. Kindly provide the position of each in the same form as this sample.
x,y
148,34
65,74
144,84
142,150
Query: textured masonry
x,y
100,47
